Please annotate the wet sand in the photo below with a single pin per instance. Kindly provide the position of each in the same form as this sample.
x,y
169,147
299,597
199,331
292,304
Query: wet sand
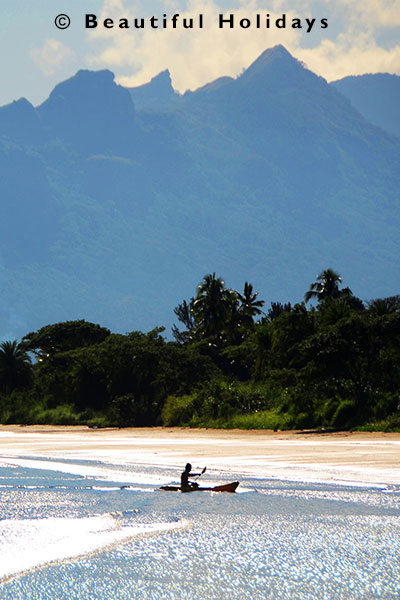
x,y
343,457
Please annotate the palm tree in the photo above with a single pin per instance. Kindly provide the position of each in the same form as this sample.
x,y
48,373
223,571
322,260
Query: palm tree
x,y
213,306
384,306
326,287
15,366
276,309
184,312
249,307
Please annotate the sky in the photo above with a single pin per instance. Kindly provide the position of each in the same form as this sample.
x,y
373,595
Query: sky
x,y
362,36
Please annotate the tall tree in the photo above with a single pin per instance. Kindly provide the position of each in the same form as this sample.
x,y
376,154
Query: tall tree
x,y
250,307
213,306
384,306
62,337
276,309
326,287
15,366
184,312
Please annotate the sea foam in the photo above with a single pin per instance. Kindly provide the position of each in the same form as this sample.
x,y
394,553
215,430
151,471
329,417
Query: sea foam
x,y
27,544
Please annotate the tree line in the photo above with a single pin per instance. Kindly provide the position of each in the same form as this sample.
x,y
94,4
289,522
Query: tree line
x,y
330,361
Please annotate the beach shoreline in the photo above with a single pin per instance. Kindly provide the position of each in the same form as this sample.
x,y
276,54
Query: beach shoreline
x,y
339,457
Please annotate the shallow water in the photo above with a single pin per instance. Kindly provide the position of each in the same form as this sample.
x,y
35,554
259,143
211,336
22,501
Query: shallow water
x,y
111,534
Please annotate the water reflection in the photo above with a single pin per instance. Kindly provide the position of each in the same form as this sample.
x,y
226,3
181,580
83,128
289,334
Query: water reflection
x,y
279,540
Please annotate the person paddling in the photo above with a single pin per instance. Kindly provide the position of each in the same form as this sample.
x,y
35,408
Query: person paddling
x,y
186,485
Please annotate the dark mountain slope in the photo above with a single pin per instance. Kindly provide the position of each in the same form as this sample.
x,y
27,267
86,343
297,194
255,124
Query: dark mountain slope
x,y
157,95
269,177
20,121
91,112
376,97
302,155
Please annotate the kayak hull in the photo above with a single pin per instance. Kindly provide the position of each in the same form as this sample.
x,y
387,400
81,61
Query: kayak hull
x,y
226,487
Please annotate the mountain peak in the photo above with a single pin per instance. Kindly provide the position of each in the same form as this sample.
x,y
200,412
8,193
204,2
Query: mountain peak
x,y
278,51
22,104
162,79
158,93
277,69
84,81
20,109
160,83
90,102
273,60
105,74
19,118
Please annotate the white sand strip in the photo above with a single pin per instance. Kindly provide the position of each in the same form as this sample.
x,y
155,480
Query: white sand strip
x,y
370,458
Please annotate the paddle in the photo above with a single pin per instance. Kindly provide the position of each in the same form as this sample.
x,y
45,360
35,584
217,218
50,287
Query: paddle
x,y
200,474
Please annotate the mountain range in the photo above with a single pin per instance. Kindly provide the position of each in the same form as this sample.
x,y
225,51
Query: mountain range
x,y
116,202
376,96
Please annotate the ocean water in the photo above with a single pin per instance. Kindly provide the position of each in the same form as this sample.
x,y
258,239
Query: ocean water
x,y
89,530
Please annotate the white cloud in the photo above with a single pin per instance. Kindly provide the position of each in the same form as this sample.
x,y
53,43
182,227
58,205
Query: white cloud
x,y
51,56
197,56
336,60
193,56
372,14
361,46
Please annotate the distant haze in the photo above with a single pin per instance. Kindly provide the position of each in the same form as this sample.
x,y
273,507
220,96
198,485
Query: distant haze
x,y
376,97
361,37
114,212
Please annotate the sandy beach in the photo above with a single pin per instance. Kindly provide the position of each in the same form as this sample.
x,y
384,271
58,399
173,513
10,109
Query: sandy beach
x,y
82,517
343,457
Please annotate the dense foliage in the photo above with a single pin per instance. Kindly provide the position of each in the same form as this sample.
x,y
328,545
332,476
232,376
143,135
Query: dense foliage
x,y
334,364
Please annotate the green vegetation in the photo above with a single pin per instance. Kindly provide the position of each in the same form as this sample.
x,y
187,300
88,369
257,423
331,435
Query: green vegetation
x,y
335,364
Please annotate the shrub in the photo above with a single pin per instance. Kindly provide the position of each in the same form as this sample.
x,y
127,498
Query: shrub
x,y
126,411
178,410
266,419
345,415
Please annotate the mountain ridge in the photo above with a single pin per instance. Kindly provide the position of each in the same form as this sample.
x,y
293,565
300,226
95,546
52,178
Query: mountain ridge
x,y
376,96
269,178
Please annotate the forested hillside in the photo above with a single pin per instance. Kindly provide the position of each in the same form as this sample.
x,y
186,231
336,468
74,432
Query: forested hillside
x,y
330,361
376,96
111,211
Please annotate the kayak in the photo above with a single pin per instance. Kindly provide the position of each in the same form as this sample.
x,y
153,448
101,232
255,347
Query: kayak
x,y
226,487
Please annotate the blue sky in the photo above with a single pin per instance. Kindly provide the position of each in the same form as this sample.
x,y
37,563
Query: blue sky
x,y
361,37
